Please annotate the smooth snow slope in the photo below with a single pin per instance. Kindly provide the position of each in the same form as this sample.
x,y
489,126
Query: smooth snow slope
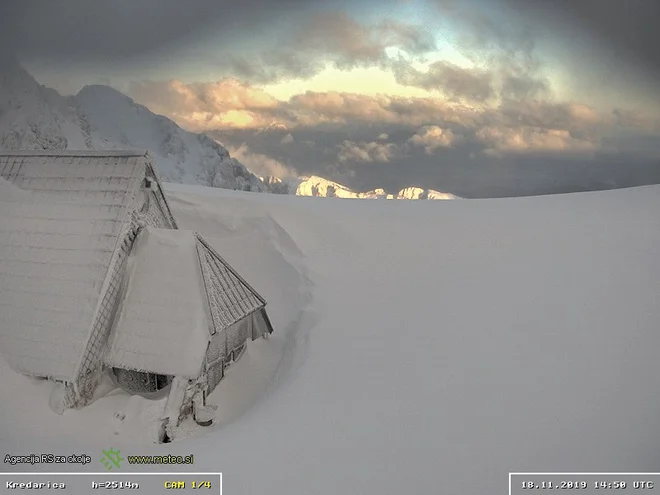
x,y
420,347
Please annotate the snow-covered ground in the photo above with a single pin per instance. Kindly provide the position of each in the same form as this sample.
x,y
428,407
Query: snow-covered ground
x,y
419,347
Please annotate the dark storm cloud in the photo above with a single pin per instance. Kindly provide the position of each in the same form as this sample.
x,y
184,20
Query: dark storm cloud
x,y
608,47
328,37
548,115
81,31
273,65
629,27
84,30
454,81
523,86
634,119
503,51
355,44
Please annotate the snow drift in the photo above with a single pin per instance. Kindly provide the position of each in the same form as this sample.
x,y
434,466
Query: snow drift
x,y
419,347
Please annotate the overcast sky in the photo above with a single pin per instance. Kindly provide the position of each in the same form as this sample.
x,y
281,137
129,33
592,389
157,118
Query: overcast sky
x,y
453,95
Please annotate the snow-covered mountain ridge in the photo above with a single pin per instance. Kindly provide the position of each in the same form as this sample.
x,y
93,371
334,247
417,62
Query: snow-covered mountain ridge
x,y
320,187
99,117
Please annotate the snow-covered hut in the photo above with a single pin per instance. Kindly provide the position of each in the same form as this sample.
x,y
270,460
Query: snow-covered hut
x,y
69,221
184,315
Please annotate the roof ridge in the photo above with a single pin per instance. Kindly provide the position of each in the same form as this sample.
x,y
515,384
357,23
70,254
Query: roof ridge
x,y
94,153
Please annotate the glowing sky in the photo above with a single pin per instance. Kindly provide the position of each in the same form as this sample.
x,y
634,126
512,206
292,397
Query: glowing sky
x,y
320,33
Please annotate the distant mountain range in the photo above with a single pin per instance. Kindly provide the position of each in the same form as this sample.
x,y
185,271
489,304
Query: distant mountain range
x,y
99,117
318,186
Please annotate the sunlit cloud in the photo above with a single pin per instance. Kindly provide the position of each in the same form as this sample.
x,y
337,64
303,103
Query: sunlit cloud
x,y
432,137
261,165
502,141
228,103
367,152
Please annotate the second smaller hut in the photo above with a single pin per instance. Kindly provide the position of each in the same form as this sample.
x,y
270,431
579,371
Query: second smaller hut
x,y
184,315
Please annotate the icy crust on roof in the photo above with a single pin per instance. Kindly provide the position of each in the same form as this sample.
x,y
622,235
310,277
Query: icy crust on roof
x,y
9,191
50,282
162,326
59,224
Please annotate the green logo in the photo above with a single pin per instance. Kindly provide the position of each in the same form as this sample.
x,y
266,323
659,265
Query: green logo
x,y
111,458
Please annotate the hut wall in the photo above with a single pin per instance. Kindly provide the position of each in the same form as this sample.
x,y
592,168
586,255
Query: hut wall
x,y
238,334
154,215
225,346
192,388
216,357
260,324
158,211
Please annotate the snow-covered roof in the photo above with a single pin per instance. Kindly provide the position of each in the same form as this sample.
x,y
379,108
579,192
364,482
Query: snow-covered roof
x,y
175,282
57,239
77,153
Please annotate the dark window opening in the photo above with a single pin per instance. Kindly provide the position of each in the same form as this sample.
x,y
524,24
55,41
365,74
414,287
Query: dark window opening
x,y
141,382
